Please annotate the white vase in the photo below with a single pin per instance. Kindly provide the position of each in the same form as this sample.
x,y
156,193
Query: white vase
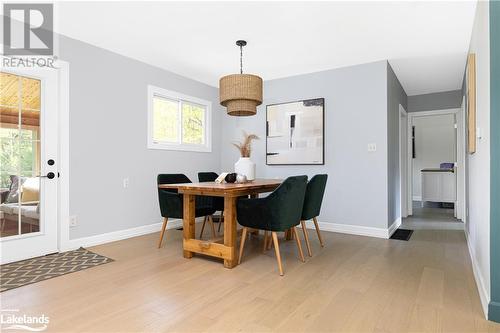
x,y
246,167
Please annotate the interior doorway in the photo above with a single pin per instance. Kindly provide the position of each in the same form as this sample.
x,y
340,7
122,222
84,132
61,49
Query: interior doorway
x,y
432,168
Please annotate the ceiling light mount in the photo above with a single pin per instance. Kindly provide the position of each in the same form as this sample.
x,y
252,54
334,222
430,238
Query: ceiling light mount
x,y
240,93
241,43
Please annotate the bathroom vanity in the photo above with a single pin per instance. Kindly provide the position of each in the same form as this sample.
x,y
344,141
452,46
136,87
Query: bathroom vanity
x,y
439,185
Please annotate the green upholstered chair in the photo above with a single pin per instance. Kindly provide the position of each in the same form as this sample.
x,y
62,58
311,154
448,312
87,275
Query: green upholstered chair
x,y
171,202
279,211
207,176
312,206
217,202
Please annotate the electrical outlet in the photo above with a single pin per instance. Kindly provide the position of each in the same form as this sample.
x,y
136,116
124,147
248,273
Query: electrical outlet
x,y
126,182
73,222
372,147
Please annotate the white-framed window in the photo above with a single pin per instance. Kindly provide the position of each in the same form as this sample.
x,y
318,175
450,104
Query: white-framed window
x,y
178,122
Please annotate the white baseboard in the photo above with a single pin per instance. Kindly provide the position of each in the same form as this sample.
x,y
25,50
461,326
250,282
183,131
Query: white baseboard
x,y
119,235
417,198
481,288
176,223
355,229
394,226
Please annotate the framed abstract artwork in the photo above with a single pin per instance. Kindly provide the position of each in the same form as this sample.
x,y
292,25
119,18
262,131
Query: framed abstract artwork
x,y
471,103
295,133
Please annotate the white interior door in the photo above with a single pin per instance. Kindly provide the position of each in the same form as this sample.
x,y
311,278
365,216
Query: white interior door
x,y
29,157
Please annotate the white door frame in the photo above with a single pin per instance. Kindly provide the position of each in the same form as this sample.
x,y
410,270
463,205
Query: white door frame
x,y
405,203
460,146
64,145
461,156
61,241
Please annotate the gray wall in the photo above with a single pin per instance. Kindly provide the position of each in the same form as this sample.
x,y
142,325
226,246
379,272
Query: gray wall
x,y
108,139
479,225
395,96
435,101
355,115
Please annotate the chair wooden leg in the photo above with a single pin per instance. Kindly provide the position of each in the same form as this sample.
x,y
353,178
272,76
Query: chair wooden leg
x,y
277,250
211,221
318,232
242,243
299,246
203,226
266,235
163,227
306,237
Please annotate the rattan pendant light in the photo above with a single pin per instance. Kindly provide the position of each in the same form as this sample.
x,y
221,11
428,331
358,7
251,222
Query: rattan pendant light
x,y
240,93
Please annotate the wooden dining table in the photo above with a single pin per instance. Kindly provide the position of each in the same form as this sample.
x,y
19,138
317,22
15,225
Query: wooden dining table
x,y
221,247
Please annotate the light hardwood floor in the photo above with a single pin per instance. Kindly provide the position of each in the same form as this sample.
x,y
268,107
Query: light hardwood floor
x,y
353,284
431,217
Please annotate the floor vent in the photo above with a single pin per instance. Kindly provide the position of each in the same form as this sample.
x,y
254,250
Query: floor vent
x,y
402,234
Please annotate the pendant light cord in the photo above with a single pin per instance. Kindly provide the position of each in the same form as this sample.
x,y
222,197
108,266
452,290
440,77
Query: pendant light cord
x,y
241,59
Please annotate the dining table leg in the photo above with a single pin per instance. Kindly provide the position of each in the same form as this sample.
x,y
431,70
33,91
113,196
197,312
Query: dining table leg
x,y
188,221
230,231
254,232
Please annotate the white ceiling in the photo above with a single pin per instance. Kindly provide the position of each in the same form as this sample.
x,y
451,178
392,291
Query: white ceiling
x,y
425,42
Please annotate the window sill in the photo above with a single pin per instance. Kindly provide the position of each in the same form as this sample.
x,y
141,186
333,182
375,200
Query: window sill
x,y
188,148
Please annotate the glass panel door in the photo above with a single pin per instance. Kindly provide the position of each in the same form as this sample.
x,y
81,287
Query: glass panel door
x,y
28,139
19,154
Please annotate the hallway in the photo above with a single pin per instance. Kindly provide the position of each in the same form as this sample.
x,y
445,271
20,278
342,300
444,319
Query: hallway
x,y
431,217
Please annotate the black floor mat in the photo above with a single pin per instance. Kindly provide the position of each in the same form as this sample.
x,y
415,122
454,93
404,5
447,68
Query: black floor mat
x,y
402,234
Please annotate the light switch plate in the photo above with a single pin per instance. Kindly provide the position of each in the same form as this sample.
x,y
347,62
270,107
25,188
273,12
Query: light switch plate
x,y
372,147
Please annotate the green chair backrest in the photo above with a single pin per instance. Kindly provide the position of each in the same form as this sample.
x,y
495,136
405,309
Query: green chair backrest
x,y
285,203
314,196
170,201
207,176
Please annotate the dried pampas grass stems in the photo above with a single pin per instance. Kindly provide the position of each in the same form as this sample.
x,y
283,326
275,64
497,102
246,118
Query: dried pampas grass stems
x,y
245,147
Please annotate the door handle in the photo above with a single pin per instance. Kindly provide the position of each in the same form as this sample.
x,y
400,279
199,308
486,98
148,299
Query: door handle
x,y
50,175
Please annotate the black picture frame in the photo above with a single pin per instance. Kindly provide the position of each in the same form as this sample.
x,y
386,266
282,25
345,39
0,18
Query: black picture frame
x,y
314,101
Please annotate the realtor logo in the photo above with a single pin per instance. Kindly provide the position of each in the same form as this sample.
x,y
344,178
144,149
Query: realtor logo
x,y
28,29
